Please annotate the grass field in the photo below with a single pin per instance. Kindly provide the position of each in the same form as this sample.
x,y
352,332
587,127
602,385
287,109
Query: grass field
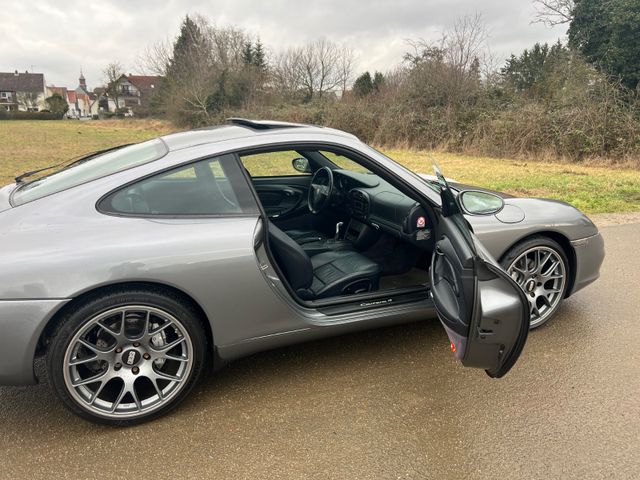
x,y
28,145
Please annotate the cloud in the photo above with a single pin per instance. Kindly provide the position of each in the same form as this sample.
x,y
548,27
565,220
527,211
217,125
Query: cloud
x,y
60,37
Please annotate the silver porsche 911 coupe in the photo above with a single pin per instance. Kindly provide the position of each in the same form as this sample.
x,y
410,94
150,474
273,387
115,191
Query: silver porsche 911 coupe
x,y
133,269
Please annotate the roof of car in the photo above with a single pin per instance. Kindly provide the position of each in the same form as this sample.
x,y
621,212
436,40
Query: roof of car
x,y
242,128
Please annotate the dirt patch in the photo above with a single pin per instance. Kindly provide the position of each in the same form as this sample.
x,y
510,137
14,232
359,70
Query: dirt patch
x,y
611,219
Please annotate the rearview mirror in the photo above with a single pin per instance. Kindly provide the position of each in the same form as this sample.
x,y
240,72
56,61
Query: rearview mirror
x,y
475,202
301,165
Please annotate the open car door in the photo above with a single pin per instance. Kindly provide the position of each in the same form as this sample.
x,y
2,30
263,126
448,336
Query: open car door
x,y
484,312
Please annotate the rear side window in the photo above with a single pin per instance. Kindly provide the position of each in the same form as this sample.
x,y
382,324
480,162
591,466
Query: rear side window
x,y
210,187
97,167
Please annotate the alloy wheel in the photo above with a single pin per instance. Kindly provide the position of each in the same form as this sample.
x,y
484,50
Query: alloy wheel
x,y
541,273
128,361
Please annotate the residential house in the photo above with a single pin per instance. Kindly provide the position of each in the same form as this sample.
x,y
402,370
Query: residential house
x,y
22,91
80,100
132,93
72,100
101,101
62,91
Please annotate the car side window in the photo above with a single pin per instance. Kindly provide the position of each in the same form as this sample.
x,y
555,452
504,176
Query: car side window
x,y
214,186
272,164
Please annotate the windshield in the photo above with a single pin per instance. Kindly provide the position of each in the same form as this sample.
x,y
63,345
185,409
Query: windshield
x,y
96,167
432,185
344,163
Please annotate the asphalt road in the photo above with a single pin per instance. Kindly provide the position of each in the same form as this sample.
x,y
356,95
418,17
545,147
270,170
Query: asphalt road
x,y
384,404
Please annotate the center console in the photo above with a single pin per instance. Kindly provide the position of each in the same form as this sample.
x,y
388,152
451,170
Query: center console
x,y
357,236
360,234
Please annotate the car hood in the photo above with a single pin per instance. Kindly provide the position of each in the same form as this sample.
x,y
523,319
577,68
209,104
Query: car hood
x,y
543,212
5,194
539,212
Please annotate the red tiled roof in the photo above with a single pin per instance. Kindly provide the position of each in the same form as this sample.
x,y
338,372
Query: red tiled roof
x,y
145,82
62,91
72,96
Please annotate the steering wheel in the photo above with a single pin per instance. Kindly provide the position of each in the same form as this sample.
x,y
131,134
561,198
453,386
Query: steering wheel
x,y
320,190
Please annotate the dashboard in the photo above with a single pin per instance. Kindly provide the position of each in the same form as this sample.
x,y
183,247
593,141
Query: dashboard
x,y
374,202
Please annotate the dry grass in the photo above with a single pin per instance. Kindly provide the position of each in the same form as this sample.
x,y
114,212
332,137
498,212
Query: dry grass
x,y
28,145
593,189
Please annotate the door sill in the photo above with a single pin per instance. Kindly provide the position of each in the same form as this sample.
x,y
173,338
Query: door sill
x,y
370,301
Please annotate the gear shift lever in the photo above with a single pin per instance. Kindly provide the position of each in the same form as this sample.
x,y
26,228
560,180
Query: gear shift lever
x,y
338,228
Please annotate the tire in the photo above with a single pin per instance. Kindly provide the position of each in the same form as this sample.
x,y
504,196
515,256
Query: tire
x,y
145,348
546,287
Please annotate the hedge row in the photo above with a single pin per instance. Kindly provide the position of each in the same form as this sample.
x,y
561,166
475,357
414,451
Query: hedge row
x,y
18,115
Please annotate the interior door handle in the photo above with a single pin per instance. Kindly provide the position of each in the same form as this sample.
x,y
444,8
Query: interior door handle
x,y
288,192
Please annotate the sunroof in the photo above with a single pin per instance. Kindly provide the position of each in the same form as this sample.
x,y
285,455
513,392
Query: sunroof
x,y
262,124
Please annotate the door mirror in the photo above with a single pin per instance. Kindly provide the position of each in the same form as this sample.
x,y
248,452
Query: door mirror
x,y
475,202
301,165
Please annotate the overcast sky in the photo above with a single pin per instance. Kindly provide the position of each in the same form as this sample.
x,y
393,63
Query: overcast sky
x,y
57,37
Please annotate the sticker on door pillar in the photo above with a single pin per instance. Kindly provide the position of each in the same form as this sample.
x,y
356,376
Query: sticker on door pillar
x,y
421,223
422,235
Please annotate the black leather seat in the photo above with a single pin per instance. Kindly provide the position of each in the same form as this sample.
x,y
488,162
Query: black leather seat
x,y
328,274
306,236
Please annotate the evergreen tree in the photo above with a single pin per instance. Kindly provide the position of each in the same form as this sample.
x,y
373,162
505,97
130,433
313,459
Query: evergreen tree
x,y
363,85
607,33
189,43
378,81
57,105
259,57
247,54
533,69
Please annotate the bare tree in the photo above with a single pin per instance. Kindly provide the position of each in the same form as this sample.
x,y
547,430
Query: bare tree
x,y
286,72
466,41
345,67
112,74
28,100
554,12
154,58
448,71
316,69
227,44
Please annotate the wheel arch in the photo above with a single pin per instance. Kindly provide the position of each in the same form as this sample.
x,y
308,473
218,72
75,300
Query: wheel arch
x,y
563,241
53,322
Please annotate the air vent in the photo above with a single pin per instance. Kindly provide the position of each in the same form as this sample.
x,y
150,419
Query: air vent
x,y
358,204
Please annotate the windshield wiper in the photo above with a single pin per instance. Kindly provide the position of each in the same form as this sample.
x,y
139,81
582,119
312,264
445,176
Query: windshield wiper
x,y
86,157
